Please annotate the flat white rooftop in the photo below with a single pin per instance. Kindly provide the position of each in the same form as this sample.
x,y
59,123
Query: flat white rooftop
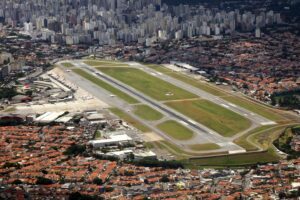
x,y
112,139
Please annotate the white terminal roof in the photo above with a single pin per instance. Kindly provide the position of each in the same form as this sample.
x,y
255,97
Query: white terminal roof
x,y
145,154
119,153
64,119
48,117
184,65
112,139
95,116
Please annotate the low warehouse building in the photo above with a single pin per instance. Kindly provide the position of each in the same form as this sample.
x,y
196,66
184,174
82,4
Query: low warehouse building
x,y
113,140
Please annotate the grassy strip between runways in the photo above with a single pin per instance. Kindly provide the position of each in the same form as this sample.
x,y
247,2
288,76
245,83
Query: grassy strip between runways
x,y
262,110
245,103
67,64
147,113
204,147
106,86
95,63
184,78
226,122
123,115
176,130
147,84
234,160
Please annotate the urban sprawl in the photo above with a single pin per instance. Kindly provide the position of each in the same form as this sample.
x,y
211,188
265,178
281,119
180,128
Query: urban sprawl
x,y
216,114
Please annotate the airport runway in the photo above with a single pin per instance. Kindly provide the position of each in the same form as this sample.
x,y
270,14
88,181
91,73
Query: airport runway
x,y
256,119
202,133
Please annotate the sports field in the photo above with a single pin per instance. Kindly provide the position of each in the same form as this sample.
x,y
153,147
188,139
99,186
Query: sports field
x,y
147,113
105,86
147,84
213,116
176,130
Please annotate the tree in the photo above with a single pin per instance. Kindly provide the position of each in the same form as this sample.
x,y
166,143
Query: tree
x,y
28,93
131,156
282,195
17,182
78,196
7,93
9,165
146,181
97,181
75,149
129,173
164,179
43,181
273,101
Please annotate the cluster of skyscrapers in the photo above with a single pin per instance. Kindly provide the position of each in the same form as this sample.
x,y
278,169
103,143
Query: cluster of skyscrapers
x,y
128,21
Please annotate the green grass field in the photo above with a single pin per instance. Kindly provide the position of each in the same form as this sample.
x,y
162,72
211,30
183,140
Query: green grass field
x,y
265,138
147,113
106,86
204,147
147,84
176,130
233,160
262,137
97,135
177,151
201,85
123,115
67,64
264,111
97,63
245,103
215,117
242,141
285,137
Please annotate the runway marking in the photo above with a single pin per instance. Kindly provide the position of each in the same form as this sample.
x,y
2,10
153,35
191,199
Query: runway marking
x,y
268,123
182,122
224,105
237,151
191,121
233,105
222,144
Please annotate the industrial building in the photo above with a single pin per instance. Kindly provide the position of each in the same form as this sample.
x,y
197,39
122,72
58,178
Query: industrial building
x,y
114,139
48,117
184,66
